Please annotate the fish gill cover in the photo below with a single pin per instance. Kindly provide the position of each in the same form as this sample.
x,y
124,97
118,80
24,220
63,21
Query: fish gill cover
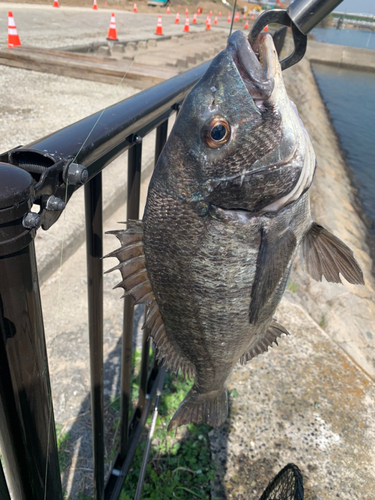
x,y
227,209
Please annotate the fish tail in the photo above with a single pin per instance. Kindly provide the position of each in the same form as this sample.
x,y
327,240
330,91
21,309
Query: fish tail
x,y
210,408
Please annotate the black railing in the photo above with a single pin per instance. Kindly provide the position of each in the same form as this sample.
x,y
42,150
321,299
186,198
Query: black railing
x,y
48,173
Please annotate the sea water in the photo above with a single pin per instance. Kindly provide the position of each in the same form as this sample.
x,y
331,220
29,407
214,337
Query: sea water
x,y
364,39
350,98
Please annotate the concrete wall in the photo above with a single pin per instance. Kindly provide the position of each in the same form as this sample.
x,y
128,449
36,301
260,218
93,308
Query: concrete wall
x,y
340,55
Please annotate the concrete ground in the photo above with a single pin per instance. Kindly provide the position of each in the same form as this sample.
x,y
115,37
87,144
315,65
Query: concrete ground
x,y
305,401
44,26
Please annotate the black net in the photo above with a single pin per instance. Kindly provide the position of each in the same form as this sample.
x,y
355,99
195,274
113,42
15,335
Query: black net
x,y
287,485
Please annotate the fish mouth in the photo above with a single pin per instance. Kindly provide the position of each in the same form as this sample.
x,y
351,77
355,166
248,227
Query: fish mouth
x,y
255,64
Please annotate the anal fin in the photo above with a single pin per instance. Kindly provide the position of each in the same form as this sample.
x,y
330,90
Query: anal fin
x,y
325,255
135,282
274,331
166,354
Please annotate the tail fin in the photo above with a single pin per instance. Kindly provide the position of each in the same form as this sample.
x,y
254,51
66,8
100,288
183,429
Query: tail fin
x,y
210,408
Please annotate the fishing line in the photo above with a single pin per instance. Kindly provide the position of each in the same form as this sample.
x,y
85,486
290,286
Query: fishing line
x,y
105,109
234,10
60,273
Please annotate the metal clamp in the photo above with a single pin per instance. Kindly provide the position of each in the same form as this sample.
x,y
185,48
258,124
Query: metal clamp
x,y
302,16
280,16
53,183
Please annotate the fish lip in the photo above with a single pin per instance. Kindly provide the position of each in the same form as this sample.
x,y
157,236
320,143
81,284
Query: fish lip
x,y
254,64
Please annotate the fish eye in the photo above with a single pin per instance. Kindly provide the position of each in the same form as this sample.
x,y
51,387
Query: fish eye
x,y
217,132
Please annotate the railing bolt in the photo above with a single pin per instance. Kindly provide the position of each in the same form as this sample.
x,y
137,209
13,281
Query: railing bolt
x,y
55,204
137,139
31,221
77,174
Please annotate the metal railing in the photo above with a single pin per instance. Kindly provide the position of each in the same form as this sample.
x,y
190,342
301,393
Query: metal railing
x,y
46,173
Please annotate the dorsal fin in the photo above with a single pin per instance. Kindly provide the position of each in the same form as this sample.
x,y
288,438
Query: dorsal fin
x,y
274,331
325,255
135,282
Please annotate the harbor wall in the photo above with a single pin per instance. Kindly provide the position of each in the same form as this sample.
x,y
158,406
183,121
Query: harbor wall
x,y
346,312
341,56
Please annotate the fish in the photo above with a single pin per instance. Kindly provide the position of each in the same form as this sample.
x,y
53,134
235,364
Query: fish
x,y
226,211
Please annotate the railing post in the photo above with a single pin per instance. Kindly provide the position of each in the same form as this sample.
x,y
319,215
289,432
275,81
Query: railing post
x,y
94,253
132,212
27,426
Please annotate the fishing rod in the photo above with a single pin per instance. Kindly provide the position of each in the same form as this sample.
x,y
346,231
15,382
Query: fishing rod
x,y
301,16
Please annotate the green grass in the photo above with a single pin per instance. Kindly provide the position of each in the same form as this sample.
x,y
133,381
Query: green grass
x,y
176,469
62,441
292,287
323,321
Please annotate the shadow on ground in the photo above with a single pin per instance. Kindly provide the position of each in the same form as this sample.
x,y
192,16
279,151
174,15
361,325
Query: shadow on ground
x,y
75,438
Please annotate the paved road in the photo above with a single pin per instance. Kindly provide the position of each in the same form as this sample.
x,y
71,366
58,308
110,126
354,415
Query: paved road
x,y
44,26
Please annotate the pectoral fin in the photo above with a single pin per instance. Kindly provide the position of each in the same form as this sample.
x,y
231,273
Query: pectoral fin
x,y
325,255
274,331
275,254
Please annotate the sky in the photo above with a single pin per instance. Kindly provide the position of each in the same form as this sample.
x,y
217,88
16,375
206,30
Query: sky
x,y
357,6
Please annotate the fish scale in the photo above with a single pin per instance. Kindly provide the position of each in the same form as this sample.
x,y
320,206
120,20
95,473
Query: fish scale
x,y
226,211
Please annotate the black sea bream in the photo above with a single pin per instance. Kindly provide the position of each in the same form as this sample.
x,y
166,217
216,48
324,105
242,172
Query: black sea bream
x,y
227,209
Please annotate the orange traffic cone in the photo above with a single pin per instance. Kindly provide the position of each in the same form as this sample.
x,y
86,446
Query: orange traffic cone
x,y
215,20
13,38
246,25
219,14
252,17
237,17
266,28
55,3
210,14
186,11
244,17
208,23
94,5
168,10
135,8
186,27
177,20
159,27
195,19
228,20
112,35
